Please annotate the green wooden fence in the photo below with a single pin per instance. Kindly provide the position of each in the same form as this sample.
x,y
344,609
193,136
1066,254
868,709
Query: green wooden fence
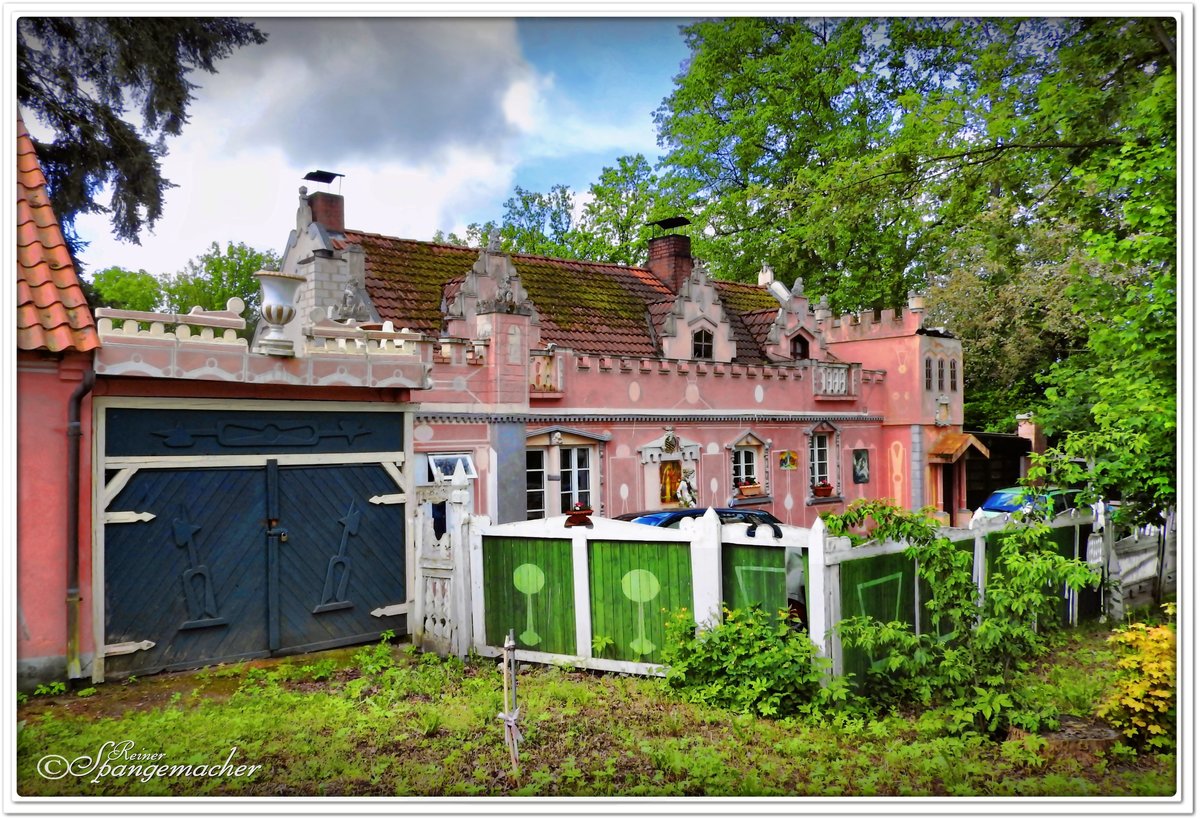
x,y
635,588
753,576
528,587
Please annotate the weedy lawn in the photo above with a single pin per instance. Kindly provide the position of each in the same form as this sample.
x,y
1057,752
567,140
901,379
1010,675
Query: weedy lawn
x,y
386,720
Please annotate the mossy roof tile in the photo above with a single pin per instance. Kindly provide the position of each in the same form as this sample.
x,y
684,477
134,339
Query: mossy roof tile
x,y
590,307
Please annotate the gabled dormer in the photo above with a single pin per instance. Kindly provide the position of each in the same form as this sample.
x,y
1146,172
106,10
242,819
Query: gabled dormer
x,y
794,335
695,326
491,286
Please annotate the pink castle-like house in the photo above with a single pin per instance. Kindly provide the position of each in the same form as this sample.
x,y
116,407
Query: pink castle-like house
x,y
189,495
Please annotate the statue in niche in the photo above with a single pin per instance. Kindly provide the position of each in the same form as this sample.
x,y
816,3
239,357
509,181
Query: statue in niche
x,y
686,493
670,475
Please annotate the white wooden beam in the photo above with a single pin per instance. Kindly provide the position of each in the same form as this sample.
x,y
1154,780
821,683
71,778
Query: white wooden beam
x,y
127,517
118,482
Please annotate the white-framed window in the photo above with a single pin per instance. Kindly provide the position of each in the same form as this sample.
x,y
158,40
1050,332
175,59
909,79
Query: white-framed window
x,y
745,466
702,344
953,376
941,375
443,465
824,445
535,484
562,467
928,373
818,458
748,456
575,474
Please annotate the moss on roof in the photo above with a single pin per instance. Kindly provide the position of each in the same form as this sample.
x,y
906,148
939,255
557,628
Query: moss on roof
x,y
591,307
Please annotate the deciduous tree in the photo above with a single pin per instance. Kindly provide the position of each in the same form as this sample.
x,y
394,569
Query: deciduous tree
x,y
125,289
217,275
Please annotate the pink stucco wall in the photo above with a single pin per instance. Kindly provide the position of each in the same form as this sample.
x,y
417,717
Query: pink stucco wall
x,y
44,387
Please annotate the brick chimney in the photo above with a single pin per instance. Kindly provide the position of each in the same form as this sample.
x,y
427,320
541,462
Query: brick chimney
x,y
329,210
671,259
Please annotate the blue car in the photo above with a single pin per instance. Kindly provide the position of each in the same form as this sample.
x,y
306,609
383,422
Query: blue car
x,y
671,518
1051,500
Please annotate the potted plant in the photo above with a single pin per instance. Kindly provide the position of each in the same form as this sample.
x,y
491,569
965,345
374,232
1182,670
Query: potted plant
x,y
747,487
822,489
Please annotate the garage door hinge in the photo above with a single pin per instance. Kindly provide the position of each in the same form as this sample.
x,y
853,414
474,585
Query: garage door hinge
x,y
127,647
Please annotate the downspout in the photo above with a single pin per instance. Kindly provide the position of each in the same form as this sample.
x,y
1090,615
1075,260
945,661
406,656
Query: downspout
x,y
74,439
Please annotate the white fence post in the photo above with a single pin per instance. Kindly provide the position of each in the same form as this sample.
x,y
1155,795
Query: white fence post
x,y
818,600
706,568
475,599
583,591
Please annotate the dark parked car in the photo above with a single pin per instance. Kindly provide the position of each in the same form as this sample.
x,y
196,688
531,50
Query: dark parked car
x,y
671,518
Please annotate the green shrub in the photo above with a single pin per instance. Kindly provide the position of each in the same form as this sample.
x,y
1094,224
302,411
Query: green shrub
x,y
749,662
1142,705
968,664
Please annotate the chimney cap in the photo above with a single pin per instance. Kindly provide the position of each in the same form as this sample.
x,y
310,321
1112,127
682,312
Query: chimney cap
x,y
671,222
322,176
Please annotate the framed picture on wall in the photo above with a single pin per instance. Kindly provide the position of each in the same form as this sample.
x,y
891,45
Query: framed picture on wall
x,y
861,465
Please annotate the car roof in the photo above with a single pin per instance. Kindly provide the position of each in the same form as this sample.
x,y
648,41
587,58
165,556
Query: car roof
x,y
692,512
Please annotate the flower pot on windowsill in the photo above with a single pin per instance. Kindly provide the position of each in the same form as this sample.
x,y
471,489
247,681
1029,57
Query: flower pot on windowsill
x,y
748,490
822,490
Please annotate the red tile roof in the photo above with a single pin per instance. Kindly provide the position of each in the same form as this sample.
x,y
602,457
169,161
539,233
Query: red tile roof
x,y
590,307
52,312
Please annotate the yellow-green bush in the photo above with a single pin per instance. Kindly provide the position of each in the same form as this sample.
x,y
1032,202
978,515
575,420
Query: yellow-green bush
x,y
1142,705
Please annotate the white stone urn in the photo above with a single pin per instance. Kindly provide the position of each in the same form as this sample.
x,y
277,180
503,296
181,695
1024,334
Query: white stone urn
x,y
278,308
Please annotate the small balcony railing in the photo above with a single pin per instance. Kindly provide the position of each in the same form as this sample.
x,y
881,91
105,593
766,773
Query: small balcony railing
x,y
835,381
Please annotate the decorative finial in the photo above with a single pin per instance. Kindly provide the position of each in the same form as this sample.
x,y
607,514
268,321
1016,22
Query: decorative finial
x,y
798,287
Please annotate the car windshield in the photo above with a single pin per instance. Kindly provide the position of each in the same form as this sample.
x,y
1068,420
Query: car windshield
x,y
1007,500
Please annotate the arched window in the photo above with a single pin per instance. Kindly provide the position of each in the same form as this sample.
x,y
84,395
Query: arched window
x,y
953,375
799,347
702,344
941,375
928,373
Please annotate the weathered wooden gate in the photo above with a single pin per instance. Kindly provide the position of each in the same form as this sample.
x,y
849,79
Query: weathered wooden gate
x,y
232,533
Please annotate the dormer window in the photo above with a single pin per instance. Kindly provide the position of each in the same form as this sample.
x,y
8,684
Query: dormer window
x,y
799,347
702,344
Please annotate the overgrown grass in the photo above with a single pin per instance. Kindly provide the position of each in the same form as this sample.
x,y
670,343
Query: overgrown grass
x,y
389,721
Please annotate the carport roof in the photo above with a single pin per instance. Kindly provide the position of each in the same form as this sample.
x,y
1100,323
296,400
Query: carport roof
x,y
952,446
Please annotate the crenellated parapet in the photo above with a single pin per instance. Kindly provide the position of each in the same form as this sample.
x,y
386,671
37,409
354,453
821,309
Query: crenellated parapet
x,y
869,324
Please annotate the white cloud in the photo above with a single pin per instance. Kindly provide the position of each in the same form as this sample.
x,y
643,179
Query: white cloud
x,y
524,104
428,119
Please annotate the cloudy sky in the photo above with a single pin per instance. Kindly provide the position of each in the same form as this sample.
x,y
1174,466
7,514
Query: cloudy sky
x,y
432,121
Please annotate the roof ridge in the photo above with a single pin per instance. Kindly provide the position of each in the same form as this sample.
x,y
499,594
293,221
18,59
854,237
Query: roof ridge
x,y
533,256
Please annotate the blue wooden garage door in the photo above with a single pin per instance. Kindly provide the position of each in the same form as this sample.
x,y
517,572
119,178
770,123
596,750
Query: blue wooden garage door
x,y
241,562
